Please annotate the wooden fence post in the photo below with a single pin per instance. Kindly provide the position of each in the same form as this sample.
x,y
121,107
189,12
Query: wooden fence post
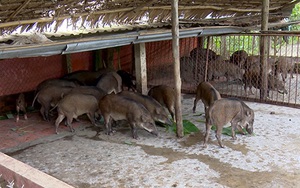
x,y
175,46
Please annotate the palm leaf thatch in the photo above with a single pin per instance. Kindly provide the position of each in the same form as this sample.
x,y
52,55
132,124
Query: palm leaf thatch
x,y
50,14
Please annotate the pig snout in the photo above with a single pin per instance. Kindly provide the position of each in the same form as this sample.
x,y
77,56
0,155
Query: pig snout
x,y
165,120
169,122
282,91
150,127
249,129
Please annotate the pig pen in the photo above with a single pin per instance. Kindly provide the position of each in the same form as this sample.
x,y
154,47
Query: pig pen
x,y
89,158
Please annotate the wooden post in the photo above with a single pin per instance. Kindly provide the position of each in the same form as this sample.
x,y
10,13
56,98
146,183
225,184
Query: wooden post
x,y
98,61
177,79
206,60
68,63
264,50
140,67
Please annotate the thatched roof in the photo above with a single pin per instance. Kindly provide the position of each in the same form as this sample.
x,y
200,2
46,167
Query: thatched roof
x,y
48,15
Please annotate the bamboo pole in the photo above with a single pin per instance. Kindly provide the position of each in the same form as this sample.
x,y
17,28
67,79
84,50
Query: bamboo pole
x,y
264,50
175,47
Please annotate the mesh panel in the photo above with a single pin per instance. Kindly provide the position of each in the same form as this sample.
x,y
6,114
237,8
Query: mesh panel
x,y
231,63
22,75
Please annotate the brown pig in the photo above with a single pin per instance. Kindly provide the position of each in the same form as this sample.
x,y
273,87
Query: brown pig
x,y
89,90
127,80
50,96
156,110
239,58
86,77
283,66
110,82
207,94
228,110
165,95
21,106
56,82
219,68
254,79
117,107
74,105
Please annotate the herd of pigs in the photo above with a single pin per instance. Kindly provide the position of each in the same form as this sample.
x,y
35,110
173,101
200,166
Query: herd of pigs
x,y
241,66
102,94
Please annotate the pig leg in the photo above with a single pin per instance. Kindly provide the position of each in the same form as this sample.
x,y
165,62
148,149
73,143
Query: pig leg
x,y
69,123
18,112
23,109
107,121
58,120
218,135
47,109
134,131
42,111
91,117
233,132
208,127
195,104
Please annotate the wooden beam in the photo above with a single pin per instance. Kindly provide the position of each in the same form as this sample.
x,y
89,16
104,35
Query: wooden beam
x,y
264,50
140,68
176,57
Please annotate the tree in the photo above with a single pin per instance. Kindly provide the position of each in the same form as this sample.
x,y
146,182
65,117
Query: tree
x,y
295,16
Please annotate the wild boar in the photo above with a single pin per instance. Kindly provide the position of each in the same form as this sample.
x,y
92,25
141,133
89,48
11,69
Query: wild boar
x,y
117,107
89,90
86,77
201,54
253,64
21,106
156,110
165,95
110,82
127,80
49,96
239,58
57,82
218,68
254,79
187,69
74,105
228,110
283,66
207,94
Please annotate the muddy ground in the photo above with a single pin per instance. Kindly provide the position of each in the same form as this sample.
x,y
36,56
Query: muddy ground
x,y
89,158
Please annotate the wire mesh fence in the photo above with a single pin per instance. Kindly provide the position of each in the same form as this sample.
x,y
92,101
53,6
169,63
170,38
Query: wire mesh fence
x,y
232,63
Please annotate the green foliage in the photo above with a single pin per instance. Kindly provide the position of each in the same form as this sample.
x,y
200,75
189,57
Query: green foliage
x,y
188,127
295,15
249,43
227,130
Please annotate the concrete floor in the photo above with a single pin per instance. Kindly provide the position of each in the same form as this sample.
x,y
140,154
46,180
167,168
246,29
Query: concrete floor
x,y
89,158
